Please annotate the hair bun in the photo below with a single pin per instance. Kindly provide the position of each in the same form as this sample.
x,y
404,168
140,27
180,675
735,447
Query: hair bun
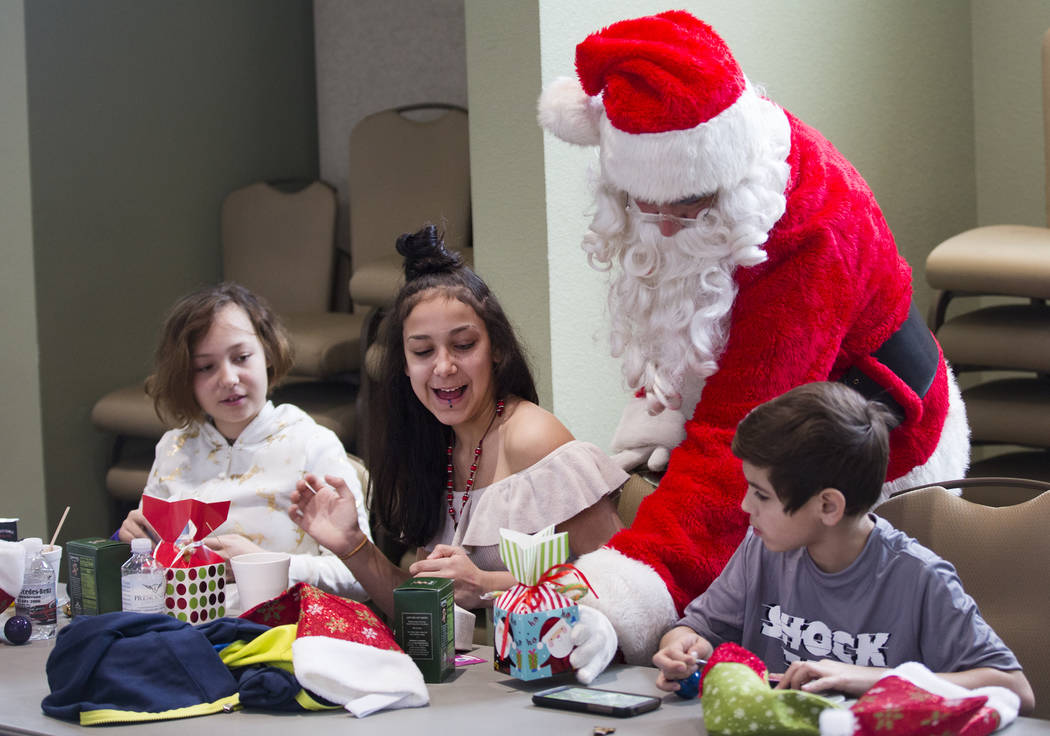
x,y
425,253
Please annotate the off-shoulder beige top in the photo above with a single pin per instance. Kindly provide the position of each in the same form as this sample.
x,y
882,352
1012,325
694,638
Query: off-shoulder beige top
x,y
570,479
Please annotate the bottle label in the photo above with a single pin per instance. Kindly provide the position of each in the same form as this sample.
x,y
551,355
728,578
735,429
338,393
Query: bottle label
x,y
37,603
142,593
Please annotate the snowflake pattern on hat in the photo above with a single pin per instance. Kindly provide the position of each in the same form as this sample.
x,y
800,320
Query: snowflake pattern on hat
x,y
322,614
738,701
897,707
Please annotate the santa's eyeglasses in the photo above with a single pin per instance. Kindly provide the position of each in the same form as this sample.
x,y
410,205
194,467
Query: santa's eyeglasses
x,y
651,213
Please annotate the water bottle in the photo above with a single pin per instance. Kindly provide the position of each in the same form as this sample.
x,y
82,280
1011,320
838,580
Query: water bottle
x,y
37,601
142,580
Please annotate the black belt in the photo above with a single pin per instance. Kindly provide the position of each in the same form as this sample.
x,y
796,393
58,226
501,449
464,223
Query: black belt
x,y
911,353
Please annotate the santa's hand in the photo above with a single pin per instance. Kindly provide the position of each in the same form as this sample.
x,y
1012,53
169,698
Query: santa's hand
x,y
594,642
644,439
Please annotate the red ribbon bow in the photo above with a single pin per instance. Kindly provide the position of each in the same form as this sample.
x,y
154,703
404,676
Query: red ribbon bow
x,y
552,578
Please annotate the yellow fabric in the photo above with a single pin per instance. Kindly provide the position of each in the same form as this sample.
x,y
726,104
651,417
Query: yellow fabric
x,y
109,716
272,648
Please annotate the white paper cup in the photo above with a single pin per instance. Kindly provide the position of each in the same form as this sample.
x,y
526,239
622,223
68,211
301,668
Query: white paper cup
x,y
464,629
52,553
260,576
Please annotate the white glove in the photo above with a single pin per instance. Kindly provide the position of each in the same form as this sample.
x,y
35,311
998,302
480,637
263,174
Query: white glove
x,y
594,644
644,439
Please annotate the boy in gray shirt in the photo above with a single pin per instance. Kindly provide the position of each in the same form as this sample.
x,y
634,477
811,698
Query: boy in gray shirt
x,y
820,589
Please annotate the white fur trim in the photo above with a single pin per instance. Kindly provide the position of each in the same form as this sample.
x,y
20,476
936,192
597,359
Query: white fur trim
x,y
360,677
717,154
633,597
12,567
570,113
951,457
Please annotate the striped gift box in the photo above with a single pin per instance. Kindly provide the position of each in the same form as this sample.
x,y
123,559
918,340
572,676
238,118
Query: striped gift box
x,y
532,619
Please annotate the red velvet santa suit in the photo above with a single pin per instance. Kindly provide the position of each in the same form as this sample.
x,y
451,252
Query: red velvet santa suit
x,y
674,116
833,289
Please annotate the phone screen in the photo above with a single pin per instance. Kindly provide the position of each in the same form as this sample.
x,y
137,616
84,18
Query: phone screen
x,y
593,700
599,697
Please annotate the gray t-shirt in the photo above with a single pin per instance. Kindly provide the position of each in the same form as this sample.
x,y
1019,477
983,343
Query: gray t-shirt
x,y
897,602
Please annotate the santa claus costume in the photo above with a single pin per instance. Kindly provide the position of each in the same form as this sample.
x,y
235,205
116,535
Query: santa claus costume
x,y
790,276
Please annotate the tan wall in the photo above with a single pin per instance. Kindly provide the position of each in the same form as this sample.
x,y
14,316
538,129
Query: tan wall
x,y
1008,99
510,231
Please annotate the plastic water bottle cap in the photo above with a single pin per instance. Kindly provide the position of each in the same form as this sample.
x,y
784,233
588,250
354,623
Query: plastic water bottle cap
x,y
141,546
32,546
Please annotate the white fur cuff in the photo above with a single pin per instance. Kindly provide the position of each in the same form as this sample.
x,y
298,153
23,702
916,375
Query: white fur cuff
x,y
633,597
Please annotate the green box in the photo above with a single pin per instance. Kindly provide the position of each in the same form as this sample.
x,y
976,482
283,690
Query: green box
x,y
94,574
424,625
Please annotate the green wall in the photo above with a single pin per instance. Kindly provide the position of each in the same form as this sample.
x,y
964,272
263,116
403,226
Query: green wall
x,y
142,116
21,449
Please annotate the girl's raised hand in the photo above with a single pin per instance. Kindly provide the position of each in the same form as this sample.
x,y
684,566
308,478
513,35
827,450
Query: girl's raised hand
x,y
327,511
447,561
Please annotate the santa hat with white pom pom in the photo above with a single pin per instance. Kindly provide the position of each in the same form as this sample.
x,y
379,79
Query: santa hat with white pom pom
x,y
667,103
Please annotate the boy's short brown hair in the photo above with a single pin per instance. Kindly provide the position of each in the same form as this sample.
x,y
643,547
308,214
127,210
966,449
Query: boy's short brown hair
x,y
816,436
188,321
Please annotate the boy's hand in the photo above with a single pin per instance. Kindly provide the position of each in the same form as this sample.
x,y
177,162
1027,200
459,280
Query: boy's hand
x,y
680,648
827,674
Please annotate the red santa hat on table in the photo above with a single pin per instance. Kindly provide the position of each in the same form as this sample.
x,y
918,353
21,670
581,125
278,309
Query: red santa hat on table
x,y
908,700
342,652
674,115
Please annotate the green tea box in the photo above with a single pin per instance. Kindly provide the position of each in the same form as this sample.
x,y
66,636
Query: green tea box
x,y
424,625
94,574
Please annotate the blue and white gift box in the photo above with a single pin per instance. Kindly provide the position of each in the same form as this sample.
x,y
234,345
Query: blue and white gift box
x,y
534,619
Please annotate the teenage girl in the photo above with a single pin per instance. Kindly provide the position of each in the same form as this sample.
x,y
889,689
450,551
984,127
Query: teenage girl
x,y
458,445
221,353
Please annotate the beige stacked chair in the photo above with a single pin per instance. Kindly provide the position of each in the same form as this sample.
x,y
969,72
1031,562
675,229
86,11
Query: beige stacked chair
x,y
278,240
1011,263
409,166
1001,555
280,243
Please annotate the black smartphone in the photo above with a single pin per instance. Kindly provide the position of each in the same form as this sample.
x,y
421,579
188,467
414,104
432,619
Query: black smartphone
x,y
593,700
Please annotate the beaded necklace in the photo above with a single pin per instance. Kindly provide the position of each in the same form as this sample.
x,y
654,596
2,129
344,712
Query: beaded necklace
x,y
450,484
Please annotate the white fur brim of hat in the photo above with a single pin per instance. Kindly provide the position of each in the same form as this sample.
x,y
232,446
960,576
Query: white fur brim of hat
x,y
12,567
673,165
360,677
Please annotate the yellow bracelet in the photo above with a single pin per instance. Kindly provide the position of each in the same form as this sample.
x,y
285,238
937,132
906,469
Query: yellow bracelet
x,y
354,551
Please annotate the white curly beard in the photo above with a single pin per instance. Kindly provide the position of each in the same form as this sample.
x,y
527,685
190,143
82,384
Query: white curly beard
x,y
670,298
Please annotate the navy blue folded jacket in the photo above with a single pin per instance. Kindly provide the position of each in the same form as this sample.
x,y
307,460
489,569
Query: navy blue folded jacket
x,y
129,667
